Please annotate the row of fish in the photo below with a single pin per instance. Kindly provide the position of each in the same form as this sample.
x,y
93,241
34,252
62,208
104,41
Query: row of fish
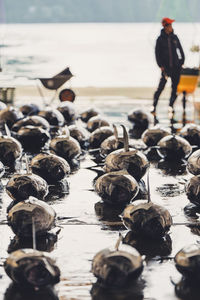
x,y
146,220
30,217
124,168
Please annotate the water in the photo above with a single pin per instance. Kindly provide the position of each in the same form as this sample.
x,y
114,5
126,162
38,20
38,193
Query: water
x,y
119,54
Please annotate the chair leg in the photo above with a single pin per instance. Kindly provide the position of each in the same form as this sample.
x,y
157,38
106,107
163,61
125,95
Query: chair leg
x,y
184,100
38,85
53,98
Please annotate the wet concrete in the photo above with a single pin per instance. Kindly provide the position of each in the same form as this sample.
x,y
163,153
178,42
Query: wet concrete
x,y
83,233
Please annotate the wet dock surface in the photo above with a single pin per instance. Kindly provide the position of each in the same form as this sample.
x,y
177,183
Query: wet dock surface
x,y
84,233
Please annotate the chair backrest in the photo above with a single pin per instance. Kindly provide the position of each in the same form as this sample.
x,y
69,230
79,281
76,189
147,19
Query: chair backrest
x,y
65,72
55,82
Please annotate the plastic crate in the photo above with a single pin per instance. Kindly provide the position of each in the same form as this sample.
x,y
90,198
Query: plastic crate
x,y
188,80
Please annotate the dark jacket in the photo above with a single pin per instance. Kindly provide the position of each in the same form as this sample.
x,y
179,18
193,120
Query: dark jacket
x,y
169,52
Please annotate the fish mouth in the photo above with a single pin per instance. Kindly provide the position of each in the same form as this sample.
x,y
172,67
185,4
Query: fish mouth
x,y
37,274
120,195
154,228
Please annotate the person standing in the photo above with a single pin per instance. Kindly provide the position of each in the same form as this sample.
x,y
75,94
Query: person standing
x,y
170,58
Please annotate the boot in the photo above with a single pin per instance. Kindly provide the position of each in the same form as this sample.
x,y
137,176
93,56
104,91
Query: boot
x,y
153,110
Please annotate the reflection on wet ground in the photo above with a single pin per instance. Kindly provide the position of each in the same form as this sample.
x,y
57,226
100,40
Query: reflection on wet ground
x,y
14,292
170,190
133,291
87,226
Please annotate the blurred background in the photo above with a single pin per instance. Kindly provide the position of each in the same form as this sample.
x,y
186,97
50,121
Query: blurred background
x,y
106,43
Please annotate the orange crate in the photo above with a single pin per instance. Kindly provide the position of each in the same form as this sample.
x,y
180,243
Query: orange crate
x,y
188,80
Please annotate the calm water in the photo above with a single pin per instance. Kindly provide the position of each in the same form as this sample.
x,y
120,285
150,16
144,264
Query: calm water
x,y
98,54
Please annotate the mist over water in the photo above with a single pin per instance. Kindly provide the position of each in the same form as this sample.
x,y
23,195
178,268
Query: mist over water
x,y
98,54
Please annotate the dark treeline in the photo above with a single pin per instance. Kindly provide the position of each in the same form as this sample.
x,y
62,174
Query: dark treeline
x,y
52,11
